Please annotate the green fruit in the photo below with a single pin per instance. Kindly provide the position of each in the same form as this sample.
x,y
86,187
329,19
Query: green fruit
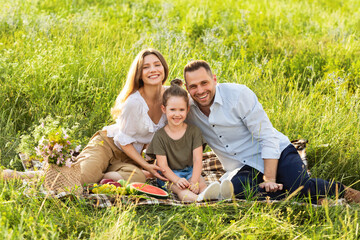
x,y
130,190
123,182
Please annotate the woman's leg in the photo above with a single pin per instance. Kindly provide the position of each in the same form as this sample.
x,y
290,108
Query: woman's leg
x,y
7,174
94,159
121,166
122,170
113,175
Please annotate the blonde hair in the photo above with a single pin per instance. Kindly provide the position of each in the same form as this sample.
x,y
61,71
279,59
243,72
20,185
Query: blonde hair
x,y
134,81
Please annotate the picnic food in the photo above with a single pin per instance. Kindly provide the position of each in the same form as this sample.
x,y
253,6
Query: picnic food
x,y
123,182
150,190
107,189
124,188
104,181
110,181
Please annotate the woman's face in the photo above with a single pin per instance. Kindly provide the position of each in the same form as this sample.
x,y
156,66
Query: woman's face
x,y
152,71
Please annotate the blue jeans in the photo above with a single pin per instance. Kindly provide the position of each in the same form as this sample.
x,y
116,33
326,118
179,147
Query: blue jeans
x,y
291,173
182,173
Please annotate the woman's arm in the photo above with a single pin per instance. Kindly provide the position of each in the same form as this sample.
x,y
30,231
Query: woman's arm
x,y
130,150
169,174
197,168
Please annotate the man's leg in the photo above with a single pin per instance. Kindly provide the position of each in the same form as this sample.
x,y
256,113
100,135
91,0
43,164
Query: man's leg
x,y
292,173
246,183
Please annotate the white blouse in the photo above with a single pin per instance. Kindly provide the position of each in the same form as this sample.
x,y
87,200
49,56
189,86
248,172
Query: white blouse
x,y
134,126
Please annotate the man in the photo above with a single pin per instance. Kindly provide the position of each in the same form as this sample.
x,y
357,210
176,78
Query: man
x,y
259,160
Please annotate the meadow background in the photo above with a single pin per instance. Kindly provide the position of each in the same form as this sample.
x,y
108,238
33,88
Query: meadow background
x,y
69,60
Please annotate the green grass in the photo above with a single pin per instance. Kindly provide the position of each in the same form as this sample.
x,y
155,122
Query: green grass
x,y
40,218
70,59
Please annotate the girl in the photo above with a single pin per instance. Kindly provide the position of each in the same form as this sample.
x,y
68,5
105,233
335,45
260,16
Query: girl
x,y
115,152
178,149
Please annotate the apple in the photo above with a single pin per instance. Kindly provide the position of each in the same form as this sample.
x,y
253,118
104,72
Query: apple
x,y
105,181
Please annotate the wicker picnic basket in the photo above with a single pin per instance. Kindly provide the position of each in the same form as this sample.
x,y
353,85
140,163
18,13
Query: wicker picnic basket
x,y
62,179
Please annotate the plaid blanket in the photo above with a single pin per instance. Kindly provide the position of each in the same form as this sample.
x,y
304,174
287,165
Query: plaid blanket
x,y
212,171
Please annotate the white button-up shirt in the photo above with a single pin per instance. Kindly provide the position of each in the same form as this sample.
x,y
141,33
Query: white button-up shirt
x,y
238,129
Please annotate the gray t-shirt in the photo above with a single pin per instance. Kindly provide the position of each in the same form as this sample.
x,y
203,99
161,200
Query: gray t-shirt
x,y
179,153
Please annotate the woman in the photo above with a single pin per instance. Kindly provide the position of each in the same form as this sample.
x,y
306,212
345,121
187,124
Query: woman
x,y
115,152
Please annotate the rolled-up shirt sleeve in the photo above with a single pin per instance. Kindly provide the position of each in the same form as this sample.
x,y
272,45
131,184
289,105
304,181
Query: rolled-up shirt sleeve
x,y
258,123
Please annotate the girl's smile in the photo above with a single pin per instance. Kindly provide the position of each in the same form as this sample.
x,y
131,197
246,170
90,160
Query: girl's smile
x,y
175,111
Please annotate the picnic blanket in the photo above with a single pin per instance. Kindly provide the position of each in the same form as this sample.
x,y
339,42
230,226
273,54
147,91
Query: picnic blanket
x,y
212,171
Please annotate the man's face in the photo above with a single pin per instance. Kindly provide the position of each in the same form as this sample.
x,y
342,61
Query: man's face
x,y
201,87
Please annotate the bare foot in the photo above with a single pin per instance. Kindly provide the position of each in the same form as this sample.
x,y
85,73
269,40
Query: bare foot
x,y
7,174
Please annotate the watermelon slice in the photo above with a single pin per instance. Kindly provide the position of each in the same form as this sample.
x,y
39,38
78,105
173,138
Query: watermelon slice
x,y
150,190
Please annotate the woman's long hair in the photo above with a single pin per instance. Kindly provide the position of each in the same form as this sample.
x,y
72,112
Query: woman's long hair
x,y
134,81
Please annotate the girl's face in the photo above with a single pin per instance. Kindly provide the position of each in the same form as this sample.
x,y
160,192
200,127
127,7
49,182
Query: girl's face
x,y
175,110
152,71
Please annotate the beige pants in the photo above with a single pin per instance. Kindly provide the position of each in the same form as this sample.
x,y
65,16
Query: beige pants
x,y
101,155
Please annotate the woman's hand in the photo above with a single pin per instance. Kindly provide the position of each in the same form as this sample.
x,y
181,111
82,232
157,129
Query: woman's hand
x,y
182,183
271,186
154,170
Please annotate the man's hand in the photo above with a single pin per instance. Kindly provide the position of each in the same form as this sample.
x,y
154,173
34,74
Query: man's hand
x,y
182,183
271,186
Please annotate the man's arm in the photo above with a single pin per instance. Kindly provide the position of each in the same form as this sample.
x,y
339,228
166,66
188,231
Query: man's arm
x,y
270,169
259,125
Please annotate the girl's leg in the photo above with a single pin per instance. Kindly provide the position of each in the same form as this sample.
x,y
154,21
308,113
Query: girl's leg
x,y
184,194
208,192
202,184
211,192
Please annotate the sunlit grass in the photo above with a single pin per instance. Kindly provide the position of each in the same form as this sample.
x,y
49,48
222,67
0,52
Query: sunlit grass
x,y
70,59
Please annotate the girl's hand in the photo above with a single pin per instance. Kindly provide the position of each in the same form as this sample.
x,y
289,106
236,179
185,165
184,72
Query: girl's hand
x,y
194,187
182,183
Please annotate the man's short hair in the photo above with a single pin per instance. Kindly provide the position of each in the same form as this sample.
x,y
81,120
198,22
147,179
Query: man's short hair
x,y
196,65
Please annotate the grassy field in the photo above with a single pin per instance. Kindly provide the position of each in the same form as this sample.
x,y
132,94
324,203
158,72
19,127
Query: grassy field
x,y
70,58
